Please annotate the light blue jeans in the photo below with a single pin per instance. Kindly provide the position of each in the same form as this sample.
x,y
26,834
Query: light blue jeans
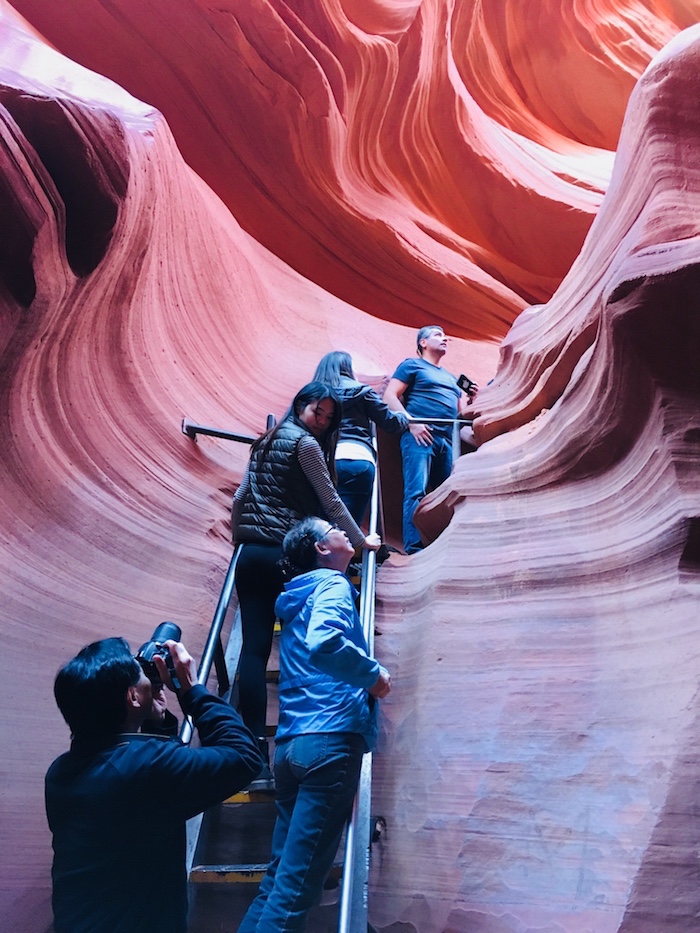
x,y
316,777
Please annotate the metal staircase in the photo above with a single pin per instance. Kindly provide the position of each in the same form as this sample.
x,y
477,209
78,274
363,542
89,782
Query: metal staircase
x,y
229,846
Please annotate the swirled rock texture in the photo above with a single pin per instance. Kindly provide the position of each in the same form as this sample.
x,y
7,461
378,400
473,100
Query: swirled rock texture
x,y
129,297
352,169
357,143
560,605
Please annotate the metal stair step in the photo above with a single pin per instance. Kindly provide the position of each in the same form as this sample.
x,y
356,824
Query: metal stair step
x,y
272,676
227,874
252,796
247,874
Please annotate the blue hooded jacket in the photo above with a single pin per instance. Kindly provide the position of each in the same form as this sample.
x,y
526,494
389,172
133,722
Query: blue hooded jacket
x,y
325,670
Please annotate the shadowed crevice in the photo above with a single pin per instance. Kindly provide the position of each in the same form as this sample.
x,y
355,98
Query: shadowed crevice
x,y
84,152
16,243
690,558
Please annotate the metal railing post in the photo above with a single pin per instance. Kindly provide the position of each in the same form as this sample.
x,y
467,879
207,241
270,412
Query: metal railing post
x,y
214,640
456,441
214,650
354,891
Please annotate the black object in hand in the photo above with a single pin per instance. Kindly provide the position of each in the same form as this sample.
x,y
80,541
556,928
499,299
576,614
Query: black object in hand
x,y
466,384
156,646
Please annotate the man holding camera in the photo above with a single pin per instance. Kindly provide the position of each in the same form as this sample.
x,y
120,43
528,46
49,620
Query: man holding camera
x,y
421,388
117,802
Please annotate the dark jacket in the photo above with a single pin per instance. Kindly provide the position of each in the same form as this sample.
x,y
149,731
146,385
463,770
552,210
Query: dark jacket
x,y
117,813
279,493
362,406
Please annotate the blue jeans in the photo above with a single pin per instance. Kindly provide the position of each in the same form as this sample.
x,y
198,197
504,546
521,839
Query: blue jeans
x,y
355,478
316,777
424,468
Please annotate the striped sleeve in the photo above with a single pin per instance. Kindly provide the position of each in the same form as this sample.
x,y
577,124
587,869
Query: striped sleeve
x,y
237,504
314,466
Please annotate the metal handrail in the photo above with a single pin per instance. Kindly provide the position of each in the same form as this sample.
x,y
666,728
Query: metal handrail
x,y
456,425
213,643
354,896
354,892
192,429
213,648
440,421
355,889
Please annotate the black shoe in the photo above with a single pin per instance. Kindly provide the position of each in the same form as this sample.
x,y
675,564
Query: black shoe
x,y
264,781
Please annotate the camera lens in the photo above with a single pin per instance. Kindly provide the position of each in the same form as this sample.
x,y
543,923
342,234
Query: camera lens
x,y
165,631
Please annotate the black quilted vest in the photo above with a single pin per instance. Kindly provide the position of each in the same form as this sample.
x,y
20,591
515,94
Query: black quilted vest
x,y
279,494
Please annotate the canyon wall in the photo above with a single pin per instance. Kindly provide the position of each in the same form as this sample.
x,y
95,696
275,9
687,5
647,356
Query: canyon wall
x,y
226,184
547,660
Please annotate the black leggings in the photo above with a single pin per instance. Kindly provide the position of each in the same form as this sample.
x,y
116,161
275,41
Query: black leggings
x,y
259,582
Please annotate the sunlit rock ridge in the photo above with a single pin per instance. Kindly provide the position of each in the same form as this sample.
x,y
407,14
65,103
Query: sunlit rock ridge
x,y
233,190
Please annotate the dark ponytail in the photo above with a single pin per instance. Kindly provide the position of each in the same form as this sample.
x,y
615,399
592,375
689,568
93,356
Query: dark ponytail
x,y
307,395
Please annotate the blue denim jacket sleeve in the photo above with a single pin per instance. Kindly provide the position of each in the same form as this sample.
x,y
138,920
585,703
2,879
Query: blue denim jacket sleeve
x,y
334,636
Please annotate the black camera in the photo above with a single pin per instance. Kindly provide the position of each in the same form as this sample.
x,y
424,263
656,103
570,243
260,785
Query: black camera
x,y
156,646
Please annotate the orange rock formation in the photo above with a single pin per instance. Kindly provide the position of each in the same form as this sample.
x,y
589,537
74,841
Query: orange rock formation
x,y
353,168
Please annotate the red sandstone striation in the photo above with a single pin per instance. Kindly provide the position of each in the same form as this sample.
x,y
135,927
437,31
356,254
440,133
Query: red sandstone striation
x,y
544,648
412,158
559,606
129,296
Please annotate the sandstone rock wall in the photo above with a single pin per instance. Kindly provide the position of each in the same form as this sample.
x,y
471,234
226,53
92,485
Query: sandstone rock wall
x,y
361,167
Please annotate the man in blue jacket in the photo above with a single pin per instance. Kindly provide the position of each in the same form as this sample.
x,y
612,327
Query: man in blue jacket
x,y
327,720
117,802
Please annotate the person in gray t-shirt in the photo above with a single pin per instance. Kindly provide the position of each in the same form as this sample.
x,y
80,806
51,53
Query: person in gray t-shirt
x,y
421,388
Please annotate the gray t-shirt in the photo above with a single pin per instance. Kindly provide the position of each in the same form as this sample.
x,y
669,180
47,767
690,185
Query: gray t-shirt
x,y
432,392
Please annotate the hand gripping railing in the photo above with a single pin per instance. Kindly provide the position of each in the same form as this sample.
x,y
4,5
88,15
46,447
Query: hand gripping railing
x,y
354,893
456,423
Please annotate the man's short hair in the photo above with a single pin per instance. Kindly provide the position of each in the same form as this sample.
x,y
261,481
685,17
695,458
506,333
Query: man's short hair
x,y
91,689
424,333
299,554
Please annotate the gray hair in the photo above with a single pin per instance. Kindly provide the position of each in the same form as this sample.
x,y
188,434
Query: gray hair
x,y
424,333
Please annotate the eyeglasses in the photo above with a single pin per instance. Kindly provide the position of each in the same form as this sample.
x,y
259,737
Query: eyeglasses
x,y
312,536
328,531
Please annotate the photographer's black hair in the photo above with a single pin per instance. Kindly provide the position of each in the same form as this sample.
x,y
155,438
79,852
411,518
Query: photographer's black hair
x,y
298,552
91,689
311,392
423,334
332,366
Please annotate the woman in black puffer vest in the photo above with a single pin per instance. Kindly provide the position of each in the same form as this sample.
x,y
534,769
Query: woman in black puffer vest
x,y
355,459
289,477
